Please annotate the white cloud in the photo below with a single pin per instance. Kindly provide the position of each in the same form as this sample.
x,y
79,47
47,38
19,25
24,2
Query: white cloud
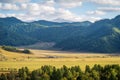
x,y
11,15
49,3
14,1
75,3
9,6
96,12
106,2
21,16
69,3
61,14
25,17
33,7
45,14
110,9
23,6
89,18
93,19
47,10
39,9
2,15
67,15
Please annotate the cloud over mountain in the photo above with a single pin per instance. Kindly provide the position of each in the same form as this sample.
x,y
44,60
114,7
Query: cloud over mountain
x,y
68,10
14,1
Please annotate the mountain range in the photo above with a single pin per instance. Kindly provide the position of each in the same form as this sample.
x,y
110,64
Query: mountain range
x,y
102,36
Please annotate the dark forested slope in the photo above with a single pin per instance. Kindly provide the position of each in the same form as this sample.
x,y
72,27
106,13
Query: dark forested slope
x,y
101,36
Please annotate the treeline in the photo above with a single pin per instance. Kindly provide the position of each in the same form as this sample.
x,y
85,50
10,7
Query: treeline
x,y
14,49
97,72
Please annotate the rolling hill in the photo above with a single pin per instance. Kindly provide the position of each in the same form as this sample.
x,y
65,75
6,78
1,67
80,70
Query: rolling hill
x,y
100,36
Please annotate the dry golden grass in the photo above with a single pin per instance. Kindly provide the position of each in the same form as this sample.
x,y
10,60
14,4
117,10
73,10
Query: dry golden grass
x,y
55,58
13,55
65,54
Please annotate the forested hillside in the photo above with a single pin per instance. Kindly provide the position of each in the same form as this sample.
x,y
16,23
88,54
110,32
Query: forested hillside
x,y
15,32
101,36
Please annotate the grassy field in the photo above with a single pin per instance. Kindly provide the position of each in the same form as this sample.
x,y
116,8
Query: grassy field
x,y
39,58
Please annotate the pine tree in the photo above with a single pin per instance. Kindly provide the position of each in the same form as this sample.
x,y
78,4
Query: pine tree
x,y
87,69
3,77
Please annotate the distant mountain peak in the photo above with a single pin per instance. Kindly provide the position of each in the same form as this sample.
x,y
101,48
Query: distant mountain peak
x,y
11,20
11,17
101,36
117,17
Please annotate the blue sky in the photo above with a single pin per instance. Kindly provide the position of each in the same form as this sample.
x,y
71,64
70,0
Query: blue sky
x,y
60,10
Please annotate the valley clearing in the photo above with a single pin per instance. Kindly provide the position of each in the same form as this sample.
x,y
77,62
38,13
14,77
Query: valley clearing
x,y
40,58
